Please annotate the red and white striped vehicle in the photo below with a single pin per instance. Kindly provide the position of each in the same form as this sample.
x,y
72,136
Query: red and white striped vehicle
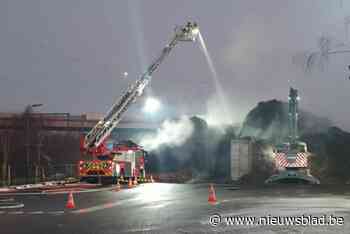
x,y
291,156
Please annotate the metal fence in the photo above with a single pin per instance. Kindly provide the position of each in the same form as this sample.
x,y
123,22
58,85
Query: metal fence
x,y
63,171
19,175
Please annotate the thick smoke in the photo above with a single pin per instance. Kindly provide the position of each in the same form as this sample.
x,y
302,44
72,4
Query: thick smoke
x,y
171,133
267,152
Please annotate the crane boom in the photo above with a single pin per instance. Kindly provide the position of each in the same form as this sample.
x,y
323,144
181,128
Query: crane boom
x,y
105,126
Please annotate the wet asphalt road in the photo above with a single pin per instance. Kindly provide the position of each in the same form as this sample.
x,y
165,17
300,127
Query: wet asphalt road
x,y
176,208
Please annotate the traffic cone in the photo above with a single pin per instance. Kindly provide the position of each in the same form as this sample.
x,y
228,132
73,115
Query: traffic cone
x,y
135,181
70,203
130,183
212,196
117,187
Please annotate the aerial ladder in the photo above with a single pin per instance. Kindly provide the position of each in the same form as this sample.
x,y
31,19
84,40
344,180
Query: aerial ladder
x,y
105,126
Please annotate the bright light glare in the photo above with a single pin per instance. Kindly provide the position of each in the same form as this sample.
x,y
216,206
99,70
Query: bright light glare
x,y
195,31
152,105
125,75
155,193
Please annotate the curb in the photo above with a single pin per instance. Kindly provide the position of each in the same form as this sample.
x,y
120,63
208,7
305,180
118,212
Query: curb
x,y
19,193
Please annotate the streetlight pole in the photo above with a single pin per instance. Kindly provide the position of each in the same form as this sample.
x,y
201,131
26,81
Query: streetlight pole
x,y
27,144
39,172
27,136
5,141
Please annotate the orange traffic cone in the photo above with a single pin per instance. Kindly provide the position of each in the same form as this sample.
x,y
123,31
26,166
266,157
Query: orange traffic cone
x,y
135,181
130,183
117,187
212,196
70,203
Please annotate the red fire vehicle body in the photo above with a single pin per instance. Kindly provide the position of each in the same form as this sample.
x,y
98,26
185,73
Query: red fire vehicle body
x,y
124,160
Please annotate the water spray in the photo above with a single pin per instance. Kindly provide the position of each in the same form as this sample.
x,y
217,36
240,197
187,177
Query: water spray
x,y
214,75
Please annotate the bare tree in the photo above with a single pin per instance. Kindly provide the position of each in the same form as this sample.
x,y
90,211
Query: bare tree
x,y
319,58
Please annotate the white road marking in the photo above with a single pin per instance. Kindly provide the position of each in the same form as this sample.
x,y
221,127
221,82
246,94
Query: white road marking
x,y
146,229
16,212
7,200
39,212
56,212
96,208
36,212
15,206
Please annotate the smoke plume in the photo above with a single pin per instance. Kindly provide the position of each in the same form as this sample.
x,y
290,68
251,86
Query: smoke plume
x,y
171,133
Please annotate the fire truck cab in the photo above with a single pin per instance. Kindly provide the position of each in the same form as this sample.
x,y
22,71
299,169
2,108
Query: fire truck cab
x,y
129,160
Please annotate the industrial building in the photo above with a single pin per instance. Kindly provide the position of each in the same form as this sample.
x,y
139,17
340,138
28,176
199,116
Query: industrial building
x,y
241,157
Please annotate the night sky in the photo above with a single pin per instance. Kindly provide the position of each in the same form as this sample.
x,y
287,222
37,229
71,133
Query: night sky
x,y
70,55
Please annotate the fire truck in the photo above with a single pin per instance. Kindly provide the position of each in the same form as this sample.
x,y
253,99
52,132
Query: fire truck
x,y
123,159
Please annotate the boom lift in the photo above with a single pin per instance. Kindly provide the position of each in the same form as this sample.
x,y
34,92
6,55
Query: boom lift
x,y
94,141
104,127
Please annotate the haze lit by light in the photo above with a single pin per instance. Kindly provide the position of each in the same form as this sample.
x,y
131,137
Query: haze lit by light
x,y
72,56
152,105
